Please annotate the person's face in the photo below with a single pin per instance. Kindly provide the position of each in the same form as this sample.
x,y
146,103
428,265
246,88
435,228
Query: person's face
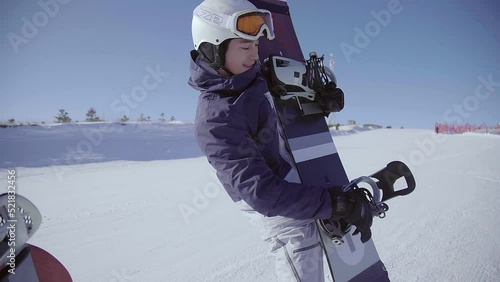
x,y
241,55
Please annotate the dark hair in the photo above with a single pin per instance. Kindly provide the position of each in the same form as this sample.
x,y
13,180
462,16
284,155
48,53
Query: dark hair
x,y
214,55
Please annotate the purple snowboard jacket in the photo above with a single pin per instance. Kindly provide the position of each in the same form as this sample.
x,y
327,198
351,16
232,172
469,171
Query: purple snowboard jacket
x,y
236,128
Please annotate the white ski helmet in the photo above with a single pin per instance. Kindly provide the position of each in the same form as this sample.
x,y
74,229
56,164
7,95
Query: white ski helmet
x,y
215,21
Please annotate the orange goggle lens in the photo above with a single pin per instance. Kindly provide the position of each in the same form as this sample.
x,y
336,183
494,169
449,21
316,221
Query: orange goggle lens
x,y
252,22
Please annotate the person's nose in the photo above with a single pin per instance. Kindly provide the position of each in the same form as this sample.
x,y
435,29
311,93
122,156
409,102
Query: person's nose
x,y
254,54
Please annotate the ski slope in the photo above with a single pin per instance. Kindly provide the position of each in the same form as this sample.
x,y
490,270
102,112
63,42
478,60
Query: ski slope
x,y
139,202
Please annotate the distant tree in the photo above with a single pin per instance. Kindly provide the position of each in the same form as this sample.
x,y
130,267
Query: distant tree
x,y
162,117
172,118
124,118
63,116
142,118
92,115
149,118
11,121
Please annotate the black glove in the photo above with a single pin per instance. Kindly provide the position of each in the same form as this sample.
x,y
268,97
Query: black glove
x,y
331,99
353,207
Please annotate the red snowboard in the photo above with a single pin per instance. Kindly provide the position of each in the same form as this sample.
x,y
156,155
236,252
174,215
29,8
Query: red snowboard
x,y
47,267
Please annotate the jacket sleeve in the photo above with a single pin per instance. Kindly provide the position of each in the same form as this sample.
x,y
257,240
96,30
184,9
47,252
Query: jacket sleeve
x,y
225,136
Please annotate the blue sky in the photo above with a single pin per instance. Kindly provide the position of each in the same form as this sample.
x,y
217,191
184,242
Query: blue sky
x,y
430,61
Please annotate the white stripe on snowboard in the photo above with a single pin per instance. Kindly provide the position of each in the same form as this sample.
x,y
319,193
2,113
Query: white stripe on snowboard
x,y
306,154
310,140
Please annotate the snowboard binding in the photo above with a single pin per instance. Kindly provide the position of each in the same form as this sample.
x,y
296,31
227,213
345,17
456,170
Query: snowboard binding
x,y
382,190
19,220
312,85
21,261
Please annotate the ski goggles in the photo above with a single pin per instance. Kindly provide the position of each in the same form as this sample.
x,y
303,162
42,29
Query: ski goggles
x,y
252,24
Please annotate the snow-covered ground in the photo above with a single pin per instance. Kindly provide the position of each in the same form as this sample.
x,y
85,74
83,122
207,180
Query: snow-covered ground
x,y
139,202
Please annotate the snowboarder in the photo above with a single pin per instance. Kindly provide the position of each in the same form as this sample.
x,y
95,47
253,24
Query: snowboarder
x,y
236,127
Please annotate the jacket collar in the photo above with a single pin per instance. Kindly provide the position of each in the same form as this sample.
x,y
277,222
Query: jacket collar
x,y
205,79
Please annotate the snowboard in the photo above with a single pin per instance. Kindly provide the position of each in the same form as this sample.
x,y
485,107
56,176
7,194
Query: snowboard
x,y
314,152
21,261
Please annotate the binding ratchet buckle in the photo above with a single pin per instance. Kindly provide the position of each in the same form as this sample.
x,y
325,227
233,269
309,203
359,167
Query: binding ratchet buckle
x,y
308,82
336,229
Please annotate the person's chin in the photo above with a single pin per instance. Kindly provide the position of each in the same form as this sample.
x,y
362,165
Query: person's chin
x,y
246,68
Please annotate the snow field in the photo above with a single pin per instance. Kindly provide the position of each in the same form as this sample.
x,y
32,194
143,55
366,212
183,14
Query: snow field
x,y
140,203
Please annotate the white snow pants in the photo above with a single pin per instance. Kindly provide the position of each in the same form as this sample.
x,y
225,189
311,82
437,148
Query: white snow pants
x,y
295,244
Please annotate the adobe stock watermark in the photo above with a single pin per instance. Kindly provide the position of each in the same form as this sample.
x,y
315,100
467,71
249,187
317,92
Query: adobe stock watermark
x,y
484,89
249,148
31,27
201,199
139,93
94,137
457,113
372,29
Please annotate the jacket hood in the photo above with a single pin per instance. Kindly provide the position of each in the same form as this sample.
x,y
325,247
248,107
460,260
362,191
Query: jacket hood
x,y
206,79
